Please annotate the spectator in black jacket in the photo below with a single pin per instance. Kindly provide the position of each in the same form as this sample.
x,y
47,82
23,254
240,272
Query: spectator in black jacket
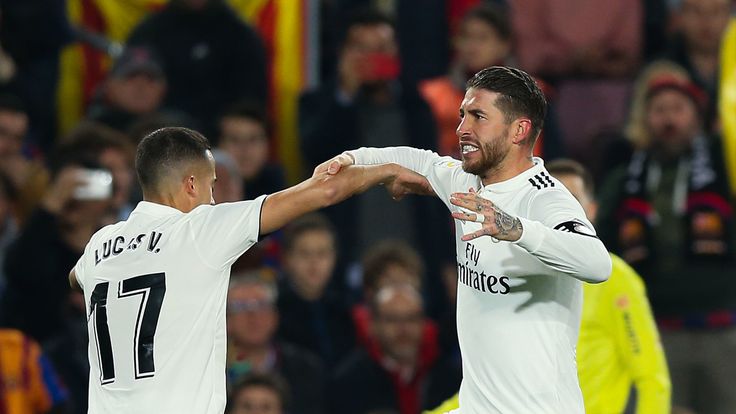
x,y
259,394
313,316
135,87
400,374
252,320
368,106
211,57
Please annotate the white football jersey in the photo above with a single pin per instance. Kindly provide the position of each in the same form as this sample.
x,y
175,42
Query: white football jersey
x,y
155,287
518,304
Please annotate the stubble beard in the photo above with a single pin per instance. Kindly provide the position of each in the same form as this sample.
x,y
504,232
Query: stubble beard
x,y
492,155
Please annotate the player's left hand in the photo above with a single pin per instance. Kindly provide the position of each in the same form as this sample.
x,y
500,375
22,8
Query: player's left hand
x,y
496,222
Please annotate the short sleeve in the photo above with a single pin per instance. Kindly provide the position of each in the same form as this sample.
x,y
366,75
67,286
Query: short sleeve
x,y
225,231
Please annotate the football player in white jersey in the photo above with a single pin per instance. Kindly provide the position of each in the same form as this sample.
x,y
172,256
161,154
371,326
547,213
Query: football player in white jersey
x,y
523,247
155,285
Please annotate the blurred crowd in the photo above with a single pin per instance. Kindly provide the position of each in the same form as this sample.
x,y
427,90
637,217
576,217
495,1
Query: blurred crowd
x,y
352,310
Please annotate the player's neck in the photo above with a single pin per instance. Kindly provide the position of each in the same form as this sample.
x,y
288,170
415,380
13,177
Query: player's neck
x,y
514,164
169,200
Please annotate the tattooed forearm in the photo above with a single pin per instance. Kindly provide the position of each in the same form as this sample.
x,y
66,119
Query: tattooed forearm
x,y
509,227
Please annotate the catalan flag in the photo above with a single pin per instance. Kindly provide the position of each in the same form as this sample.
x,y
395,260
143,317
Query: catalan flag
x,y
727,100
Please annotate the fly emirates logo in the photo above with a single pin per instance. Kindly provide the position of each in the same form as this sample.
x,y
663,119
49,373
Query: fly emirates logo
x,y
469,275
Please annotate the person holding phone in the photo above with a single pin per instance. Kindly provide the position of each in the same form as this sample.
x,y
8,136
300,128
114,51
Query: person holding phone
x,y
368,104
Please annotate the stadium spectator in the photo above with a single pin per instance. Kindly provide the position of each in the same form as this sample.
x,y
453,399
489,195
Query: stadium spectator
x,y
28,382
588,51
259,394
58,229
33,34
244,135
368,106
27,175
568,38
252,321
210,57
399,374
135,87
619,345
114,151
313,316
699,27
668,212
617,149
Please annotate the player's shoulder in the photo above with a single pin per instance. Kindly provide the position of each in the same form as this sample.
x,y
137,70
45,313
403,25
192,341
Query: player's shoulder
x,y
451,172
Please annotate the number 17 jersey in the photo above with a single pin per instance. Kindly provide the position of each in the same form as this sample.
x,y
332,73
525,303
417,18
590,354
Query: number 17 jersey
x,y
155,289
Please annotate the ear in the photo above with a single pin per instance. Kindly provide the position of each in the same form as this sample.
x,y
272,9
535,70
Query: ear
x,y
190,185
521,129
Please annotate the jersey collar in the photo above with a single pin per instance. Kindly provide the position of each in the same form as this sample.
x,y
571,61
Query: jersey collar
x,y
515,183
155,209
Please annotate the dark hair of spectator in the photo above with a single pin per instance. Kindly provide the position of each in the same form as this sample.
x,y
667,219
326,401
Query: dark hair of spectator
x,y
11,103
386,253
519,95
564,166
272,382
305,224
365,17
494,16
95,138
166,149
249,110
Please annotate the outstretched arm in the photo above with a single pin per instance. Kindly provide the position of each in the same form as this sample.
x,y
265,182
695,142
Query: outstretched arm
x,y
322,190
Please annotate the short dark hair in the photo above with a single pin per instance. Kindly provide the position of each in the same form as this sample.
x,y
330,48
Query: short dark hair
x,y
566,166
385,254
494,16
163,150
365,16
271,381
249,110
519,95
307,223
94,137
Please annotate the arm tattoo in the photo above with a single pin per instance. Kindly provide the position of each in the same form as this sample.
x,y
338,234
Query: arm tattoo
x,y
505,223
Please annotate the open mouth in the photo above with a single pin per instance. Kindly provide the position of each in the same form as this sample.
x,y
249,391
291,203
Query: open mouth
x,y
468,148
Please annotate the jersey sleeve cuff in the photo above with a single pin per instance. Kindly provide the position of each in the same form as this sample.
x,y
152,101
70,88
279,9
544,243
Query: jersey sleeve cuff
x,y
532,235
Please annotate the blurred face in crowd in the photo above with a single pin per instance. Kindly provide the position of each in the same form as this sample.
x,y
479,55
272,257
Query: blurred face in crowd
x,y
227,187
397,322
137,93
483,132
396,274
311,260
371,49
120,165
479,45
673,121
576,186
257,400
246,141
13,129
703,23
251,315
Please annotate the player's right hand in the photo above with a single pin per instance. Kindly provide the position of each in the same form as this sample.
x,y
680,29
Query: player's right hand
x,y
334,165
